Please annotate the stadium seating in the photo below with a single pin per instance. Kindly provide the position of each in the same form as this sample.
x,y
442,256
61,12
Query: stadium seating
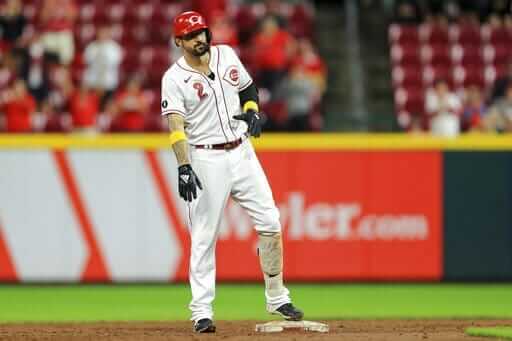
x,y
462,54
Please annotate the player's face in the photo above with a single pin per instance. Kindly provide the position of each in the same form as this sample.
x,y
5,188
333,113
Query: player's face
x,y
196,43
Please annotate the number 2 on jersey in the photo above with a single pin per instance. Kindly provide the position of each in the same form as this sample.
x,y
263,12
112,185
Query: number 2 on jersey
x,y
200,90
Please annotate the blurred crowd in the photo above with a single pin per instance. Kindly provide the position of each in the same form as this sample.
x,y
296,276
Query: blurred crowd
x,y
51,81
419,11
475,92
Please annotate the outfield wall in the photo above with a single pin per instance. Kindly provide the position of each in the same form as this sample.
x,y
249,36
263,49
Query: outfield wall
x,y
353,207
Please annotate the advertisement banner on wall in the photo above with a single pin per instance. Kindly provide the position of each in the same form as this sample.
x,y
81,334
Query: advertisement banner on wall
x,y
346,215
102,215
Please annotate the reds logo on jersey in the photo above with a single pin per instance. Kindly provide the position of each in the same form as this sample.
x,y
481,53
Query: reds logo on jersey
x,y
232,76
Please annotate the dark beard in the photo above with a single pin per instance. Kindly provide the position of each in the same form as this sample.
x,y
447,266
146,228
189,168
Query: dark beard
x,y
198,52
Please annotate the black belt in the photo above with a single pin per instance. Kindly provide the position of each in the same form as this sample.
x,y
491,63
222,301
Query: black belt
x,y
222,146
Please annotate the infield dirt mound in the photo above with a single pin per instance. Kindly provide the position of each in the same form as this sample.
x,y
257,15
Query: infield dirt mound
x,y
433,330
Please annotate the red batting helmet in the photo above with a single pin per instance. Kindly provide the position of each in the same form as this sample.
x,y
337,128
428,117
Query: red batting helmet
x,y
188,22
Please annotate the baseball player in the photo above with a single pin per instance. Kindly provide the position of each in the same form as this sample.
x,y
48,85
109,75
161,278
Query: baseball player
x,y
212,108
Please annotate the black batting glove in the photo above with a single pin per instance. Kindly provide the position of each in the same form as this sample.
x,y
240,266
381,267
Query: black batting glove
x,y
188,181
255,121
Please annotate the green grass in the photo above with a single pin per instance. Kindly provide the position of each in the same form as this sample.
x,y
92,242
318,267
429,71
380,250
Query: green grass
x,y
501,332
245,301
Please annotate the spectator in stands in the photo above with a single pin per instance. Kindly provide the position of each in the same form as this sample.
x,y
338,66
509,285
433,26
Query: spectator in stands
x,y
408,12
444,107
7,71
129,107
313,65
300,93
474,109
13,39
12,23
37,76
55,106
84,107
103,58
272,48
19,108
416,124
499,116
223,30
501,84
57,23
61,86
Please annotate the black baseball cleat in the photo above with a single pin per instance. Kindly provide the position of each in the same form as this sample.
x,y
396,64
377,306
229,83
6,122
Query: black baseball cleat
x,y
204,326
289,312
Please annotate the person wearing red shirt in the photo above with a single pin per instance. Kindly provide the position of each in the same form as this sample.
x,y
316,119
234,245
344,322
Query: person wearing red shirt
x,y
311,63
129,108
19,108
84,108
272,48
57,18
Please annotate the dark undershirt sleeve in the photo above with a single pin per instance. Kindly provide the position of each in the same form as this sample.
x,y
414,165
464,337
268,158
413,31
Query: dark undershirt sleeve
x,y
248,94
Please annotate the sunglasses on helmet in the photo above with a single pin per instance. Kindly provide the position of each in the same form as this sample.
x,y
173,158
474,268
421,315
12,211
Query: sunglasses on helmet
x,y
192,35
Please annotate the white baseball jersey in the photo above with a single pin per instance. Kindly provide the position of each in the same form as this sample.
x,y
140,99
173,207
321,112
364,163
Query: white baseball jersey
x,y
208,106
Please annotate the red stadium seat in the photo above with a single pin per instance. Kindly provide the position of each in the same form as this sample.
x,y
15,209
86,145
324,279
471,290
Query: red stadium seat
x,y
153,76
162,57
407,76
85,34
496,54
143,11
434,34
403,34
496,36
160,35
114,12
465,35
130,61
411,100
135,35
405,54
469,54
466,76
493,72
432,73
439,54
87,12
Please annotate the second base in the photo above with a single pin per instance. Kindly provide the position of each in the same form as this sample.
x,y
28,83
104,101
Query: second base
x,y
279,326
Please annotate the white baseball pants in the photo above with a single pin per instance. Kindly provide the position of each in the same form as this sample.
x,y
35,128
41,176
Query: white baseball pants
x,y
236,172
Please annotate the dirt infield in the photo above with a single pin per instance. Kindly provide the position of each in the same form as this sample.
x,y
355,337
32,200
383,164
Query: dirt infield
x,y
433,330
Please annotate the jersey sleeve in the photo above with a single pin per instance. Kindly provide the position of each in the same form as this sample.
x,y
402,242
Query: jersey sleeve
x,y
172,97
245,77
